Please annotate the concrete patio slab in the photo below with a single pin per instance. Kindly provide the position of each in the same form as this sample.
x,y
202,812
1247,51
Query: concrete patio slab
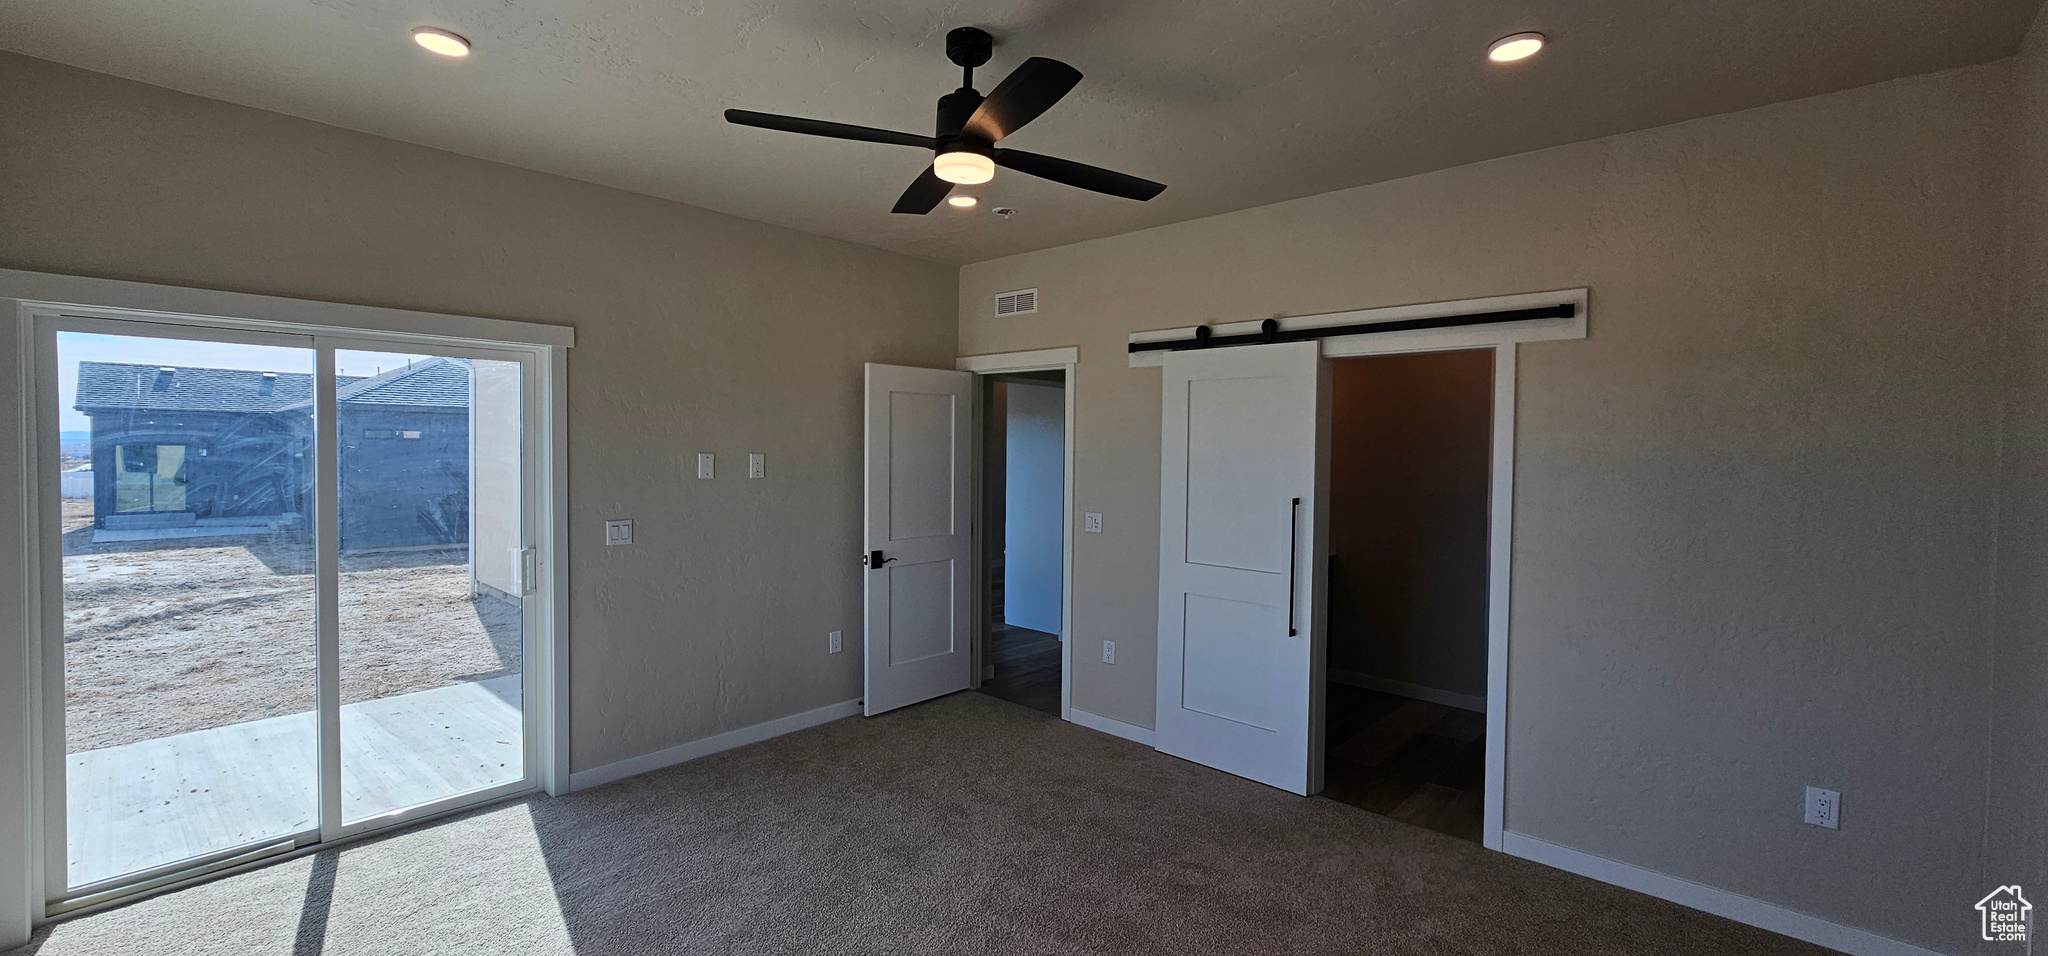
x,y
153,802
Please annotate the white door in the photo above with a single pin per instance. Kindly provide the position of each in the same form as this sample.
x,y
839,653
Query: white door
x,y
1242,527
919,642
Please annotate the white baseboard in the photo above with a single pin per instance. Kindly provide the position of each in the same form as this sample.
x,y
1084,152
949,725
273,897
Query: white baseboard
x,y
634,766
1739,908
1447,698
1114,728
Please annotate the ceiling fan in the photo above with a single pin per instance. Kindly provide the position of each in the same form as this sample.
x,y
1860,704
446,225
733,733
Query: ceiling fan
x,y
969,126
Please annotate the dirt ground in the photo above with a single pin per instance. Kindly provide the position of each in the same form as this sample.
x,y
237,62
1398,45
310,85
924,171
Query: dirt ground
x,y
162,638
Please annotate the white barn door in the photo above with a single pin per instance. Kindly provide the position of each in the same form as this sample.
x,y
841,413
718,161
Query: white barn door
x,y
919,642
1242,532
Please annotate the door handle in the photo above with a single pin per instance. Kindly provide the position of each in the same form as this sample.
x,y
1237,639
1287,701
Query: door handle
x,y
1293,548
875,560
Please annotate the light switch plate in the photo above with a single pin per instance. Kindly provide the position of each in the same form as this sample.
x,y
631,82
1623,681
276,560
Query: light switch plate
x,y
618,532
757,466
1109,652
1823,808
704,465
1092,522
835,641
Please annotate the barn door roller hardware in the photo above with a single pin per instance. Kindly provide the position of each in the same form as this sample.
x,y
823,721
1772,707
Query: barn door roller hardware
x,y
1270,330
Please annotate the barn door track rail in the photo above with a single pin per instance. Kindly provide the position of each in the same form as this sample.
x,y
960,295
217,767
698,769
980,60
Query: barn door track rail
x,y
1271,332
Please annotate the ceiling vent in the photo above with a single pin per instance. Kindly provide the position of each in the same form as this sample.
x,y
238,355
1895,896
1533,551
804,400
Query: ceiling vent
x,y
1020,302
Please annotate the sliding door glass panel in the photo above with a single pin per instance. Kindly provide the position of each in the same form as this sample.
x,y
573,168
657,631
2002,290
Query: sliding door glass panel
x,y
189,625
431,580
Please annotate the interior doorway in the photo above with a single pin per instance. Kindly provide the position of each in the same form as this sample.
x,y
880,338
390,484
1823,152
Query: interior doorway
x,y
1407,602
1023,541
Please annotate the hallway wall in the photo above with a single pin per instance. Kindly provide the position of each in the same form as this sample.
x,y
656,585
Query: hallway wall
x,y
1034,524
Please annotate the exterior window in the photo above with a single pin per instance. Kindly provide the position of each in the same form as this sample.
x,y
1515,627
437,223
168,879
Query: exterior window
x,y
379,433
149,478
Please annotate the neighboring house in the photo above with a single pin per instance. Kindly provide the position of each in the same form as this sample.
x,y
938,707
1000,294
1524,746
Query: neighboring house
x,y
176,444
405,457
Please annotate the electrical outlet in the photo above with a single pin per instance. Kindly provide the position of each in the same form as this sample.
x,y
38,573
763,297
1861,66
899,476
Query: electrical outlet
x,y
1092,522
835,642
1823,808
618,532
757,466
704,465
1109,652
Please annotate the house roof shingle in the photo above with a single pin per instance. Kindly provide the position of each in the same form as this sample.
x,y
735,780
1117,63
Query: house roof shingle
x,y
121,386
436,382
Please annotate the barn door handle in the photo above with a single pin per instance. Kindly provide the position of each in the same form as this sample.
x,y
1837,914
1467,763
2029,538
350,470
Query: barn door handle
x,y
875,560
1293,547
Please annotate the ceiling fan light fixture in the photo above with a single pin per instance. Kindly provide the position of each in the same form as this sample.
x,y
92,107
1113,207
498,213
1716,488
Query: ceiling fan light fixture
x,y
961,202
968,127
965,168
1519,46
443,42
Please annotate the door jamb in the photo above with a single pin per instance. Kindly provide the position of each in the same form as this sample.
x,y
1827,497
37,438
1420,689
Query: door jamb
x,y
1038,360
1500,550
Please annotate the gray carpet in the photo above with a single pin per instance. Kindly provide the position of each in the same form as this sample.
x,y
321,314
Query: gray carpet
x,y
965,825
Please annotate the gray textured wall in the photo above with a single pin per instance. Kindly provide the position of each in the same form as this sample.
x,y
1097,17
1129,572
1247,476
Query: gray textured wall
x,y
1753,511
695,332
2018,839
1034,496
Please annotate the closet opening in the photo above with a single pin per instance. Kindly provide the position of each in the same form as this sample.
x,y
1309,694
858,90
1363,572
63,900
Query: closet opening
x,y
1411,442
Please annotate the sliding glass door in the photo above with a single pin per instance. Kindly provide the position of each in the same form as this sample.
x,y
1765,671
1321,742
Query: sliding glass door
x,y
190,633
296,578
432,579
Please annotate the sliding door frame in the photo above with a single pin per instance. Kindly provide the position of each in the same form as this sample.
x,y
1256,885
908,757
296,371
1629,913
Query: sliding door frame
x,y
327,464
33,836
47,527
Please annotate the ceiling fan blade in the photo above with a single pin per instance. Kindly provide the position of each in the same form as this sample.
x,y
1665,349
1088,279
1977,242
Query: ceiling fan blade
x,y
811,127
1068,172
1029,90
924,195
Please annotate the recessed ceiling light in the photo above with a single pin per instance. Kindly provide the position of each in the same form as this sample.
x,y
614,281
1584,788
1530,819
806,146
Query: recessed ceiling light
x,y
437,40
963,202
1520,46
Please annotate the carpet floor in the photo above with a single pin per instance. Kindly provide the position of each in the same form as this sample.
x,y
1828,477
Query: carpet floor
x,y
964,825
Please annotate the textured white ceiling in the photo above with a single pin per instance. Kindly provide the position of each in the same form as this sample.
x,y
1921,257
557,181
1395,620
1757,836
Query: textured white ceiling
x,y
1232,104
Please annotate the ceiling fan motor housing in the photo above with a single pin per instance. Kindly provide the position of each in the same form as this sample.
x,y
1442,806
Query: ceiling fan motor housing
x,y
954,109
